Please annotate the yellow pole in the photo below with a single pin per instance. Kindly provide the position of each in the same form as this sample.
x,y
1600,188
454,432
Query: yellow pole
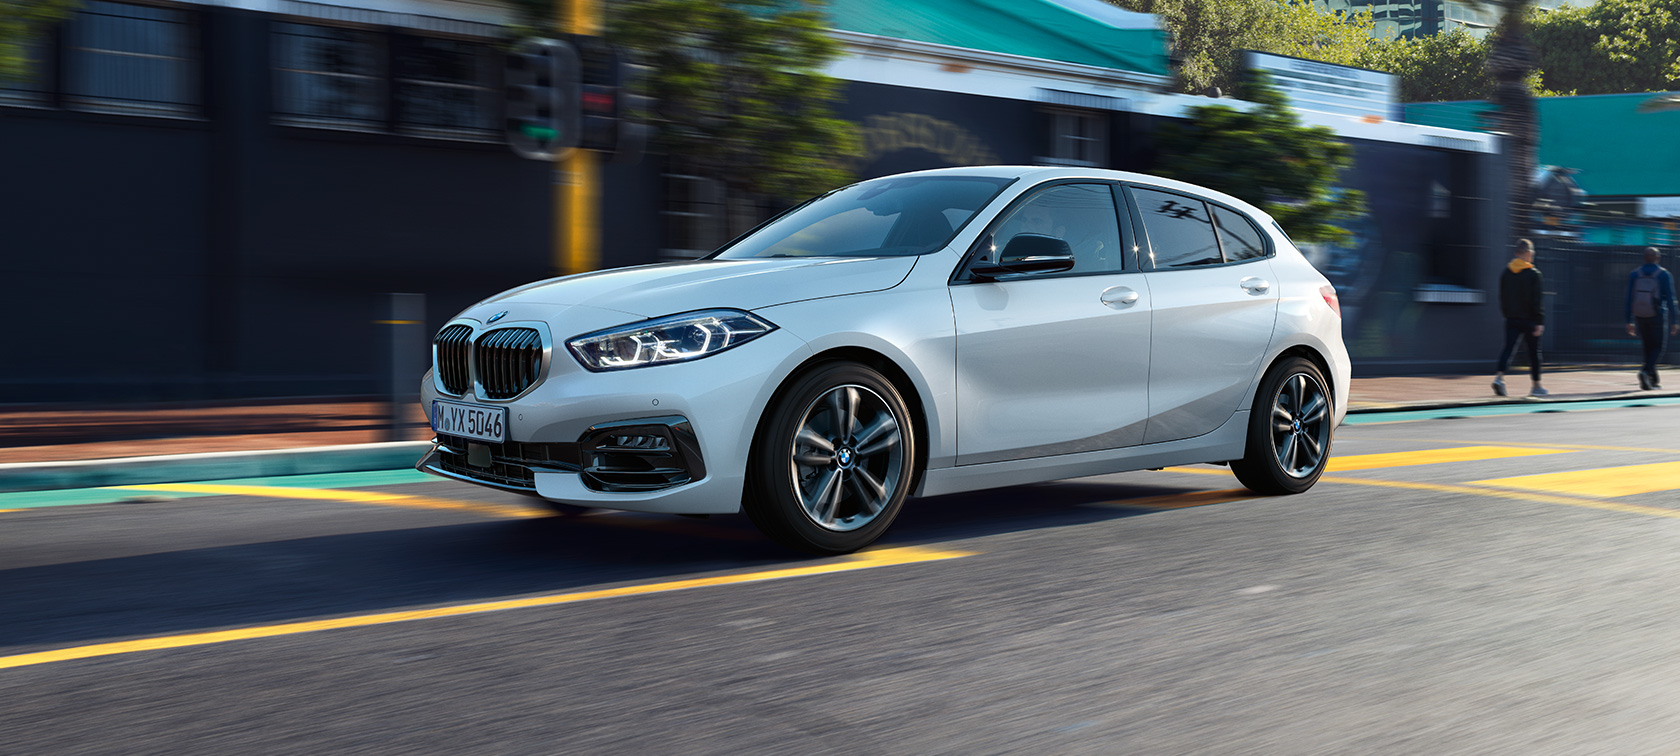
x,y
577,197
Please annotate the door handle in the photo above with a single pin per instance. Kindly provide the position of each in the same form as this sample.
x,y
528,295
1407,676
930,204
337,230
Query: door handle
x,y
1254,285
1119,296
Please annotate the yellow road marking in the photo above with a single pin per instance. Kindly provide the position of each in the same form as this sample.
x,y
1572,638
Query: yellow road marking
x,y
1350,463
862,561
339,494
1572,501
1470,490
11,510
1559,446
1198,471
1606,482
1354,462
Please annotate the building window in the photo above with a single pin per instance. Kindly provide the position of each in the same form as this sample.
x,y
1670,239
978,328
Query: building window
x,y
329,76
693,213
132,59
1077,138
362,79
445,87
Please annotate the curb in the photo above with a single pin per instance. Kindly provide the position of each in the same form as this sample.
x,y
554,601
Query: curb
x,y
176,468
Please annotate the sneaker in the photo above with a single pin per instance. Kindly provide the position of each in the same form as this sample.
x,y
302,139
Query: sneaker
x,y
1644,381
1538,391
1499,386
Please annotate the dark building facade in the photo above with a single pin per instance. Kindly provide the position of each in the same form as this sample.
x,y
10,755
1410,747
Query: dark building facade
x,y
209,202
206,202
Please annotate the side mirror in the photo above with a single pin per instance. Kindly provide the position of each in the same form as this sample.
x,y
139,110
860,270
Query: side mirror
x,y
1028,253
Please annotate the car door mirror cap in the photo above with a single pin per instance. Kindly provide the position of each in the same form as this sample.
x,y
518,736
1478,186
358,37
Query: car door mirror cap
x,y
1025,265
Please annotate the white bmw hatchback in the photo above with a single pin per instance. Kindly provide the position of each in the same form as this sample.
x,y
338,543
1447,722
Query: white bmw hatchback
x,y
913,335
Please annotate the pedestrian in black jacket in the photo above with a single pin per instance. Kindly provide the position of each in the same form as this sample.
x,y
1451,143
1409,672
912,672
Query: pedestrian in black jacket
x,y
1519,299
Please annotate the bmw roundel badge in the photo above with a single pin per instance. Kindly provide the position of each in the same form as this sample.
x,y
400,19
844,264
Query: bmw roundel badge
x,y
496,317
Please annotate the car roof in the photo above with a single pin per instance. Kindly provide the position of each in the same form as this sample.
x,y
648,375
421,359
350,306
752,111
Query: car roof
x,y
1039,173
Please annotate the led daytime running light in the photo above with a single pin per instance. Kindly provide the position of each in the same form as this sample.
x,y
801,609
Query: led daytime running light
x,y
677,338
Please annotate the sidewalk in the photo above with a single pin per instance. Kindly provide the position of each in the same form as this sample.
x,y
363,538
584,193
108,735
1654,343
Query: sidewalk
x,y
61,434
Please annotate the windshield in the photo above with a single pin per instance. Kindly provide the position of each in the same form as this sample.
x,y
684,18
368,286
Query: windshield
x,y
912,215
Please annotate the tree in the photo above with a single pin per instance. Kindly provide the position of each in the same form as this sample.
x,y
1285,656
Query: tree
x,y
20,22
1266,157
1511,63
740,91
1610,47
1210,35
1451,65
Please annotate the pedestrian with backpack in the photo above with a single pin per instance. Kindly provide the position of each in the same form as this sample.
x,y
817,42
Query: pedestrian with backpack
x,y
1520,298
1650,297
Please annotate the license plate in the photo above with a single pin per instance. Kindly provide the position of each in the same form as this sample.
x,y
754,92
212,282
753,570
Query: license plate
x,y
472,421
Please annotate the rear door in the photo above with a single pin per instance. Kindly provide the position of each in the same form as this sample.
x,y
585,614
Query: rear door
x,y
1215,302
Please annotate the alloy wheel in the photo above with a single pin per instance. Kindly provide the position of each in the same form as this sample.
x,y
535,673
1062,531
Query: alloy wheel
x,y
1300,425
847,458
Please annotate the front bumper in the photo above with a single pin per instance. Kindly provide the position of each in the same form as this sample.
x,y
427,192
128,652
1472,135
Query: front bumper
x,y
669,438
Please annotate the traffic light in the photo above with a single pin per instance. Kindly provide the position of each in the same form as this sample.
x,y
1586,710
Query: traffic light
x,y
598,100
542,98
610,101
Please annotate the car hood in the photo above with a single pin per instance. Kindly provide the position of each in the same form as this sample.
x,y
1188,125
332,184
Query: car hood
x,y
667,288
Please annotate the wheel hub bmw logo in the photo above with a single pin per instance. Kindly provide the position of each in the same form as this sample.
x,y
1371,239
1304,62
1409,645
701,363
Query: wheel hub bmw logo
x,y
1297,426
497,316
845,457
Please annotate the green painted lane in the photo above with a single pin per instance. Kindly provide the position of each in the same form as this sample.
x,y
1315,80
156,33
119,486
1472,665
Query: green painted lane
x,y
1490,410
74,496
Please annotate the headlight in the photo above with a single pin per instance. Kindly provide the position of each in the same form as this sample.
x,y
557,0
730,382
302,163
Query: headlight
x,y
675,338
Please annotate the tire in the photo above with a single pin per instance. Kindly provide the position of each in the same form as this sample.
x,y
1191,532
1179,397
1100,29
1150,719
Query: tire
x,y
832,463
1288,448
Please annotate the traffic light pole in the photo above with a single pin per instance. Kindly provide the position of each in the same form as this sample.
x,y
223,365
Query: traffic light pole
x,y
577,196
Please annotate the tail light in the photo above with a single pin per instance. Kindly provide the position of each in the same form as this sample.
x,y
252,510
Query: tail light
x,y
1329,293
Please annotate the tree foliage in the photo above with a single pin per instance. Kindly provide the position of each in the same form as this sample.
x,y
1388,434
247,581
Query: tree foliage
x,y
741,92
20,23
738,87
1210,35
1609,47
1451,65
1267,158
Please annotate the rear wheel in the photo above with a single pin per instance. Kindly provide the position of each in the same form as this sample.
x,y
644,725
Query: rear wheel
x,y
1289,430
831,467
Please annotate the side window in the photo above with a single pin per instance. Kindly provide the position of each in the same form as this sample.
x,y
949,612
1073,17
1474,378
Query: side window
x,y
1242,241
1079,216
1180,232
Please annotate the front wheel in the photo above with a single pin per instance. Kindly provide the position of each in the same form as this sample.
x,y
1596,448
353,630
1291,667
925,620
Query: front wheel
x,y
832,465
1289,430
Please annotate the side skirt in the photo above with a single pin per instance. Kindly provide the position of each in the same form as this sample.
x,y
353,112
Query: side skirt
x,y
1227,442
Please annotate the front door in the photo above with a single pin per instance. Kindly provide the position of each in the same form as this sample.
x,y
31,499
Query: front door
x,y
1054,363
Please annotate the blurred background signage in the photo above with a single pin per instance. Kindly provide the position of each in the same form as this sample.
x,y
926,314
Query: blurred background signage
x,y
1659,207
1329,88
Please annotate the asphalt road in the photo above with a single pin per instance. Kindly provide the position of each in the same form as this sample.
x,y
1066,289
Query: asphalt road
x,y
1430,596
